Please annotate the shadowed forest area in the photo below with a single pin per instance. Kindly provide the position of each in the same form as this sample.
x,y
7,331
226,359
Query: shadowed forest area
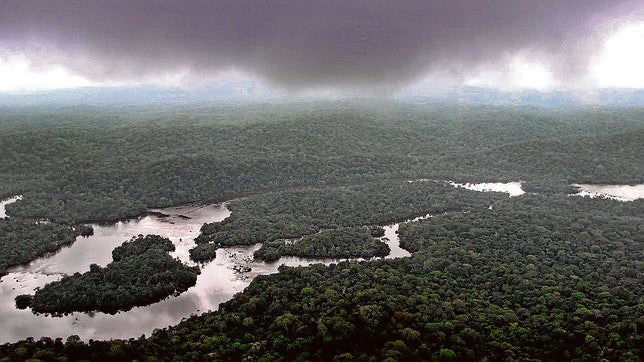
x,y
542,276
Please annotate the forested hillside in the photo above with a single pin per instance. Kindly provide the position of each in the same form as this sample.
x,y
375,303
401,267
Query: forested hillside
x,y
103,164
541,276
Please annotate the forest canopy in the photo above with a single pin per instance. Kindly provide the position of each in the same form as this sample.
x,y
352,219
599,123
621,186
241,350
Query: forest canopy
x,y
542,276
295,213
530,280
101,164
356,242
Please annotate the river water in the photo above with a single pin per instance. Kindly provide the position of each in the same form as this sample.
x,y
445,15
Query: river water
x,y
511,188
229,273
616,192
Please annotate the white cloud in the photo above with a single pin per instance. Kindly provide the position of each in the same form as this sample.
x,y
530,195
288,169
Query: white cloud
x,y
19,74
620,62
518,73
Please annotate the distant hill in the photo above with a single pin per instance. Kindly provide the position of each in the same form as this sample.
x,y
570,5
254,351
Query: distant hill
x,y
135,95
602,97
250,91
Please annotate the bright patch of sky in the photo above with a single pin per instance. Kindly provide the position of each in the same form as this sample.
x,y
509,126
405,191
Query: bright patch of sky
x,y
518,73
620,62
18,74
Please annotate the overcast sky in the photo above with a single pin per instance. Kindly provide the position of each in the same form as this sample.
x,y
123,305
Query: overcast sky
x,y
379,46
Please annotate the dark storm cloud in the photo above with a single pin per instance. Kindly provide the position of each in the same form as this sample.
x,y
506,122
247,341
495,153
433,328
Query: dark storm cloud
x,y
302,43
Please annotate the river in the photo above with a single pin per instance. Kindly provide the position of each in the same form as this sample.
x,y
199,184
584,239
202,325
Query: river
x,y
615,192
229,273
219,280
511,188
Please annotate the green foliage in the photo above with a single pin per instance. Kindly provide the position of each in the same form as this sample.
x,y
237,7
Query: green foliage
x,y
102,164
294,213
142,272
22,241
338,243
203,252
23,301
538,277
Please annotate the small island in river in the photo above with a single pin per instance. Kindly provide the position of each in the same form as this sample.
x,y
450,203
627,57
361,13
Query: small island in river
x,y
142,272
339,243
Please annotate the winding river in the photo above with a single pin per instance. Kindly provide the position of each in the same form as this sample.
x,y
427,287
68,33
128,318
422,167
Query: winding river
x,y
219,280
229,273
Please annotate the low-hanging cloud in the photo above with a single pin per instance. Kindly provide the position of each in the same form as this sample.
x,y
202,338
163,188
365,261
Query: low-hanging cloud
x,y
305,43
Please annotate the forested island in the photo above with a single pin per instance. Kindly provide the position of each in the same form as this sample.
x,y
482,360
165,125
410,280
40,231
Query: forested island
x,y
542,276
142,272
356,242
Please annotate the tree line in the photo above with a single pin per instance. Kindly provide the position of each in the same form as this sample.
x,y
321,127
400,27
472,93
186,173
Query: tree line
x,y
22,241
100,164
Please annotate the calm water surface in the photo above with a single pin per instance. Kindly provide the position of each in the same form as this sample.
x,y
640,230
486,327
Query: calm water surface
x,y
216,283
219,280
616,192
511,188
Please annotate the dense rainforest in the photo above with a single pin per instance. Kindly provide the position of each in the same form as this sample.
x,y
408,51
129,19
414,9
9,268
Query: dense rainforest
x,y
538,278
142,272
542,276
100,164
298,212
356,242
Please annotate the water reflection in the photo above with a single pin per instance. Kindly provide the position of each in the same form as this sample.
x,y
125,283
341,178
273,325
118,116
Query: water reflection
x,y
615,192
232,270
511,188
179,224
